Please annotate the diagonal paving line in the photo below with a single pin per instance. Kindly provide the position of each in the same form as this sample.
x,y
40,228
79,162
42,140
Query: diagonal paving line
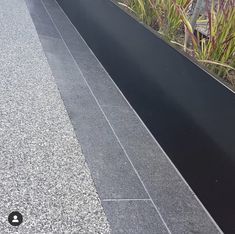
x,y
167,228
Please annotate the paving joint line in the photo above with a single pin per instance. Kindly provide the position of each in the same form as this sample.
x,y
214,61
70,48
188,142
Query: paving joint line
x,y
167,228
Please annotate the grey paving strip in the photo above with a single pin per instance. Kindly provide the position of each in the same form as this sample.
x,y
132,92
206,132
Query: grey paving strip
x,y
99,110
133,167
51,59
43,173
103,152
134,221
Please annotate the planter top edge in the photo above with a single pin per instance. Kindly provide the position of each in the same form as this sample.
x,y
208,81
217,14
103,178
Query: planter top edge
x,y
183,53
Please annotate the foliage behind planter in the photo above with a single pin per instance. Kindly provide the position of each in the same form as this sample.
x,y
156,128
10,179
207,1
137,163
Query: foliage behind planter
x,y
170,17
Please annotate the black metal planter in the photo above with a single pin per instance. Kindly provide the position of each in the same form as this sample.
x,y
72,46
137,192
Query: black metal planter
x,y
190,114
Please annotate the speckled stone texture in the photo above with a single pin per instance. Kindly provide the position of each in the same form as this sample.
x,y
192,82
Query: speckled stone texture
x,y
43,173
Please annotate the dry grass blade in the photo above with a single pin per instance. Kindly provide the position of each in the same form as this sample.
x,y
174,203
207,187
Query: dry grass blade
x,y
168,17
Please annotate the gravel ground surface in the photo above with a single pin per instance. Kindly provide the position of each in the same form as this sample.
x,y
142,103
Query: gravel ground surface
x,y
43,173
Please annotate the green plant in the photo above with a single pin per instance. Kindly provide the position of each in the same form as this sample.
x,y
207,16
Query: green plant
x,y
142,9
168,17
160,14
217,51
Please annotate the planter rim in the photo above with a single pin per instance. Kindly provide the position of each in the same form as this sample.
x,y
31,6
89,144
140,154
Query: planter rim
x,y
190,58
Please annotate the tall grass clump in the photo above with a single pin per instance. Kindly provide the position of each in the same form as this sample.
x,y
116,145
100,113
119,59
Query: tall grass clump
x,y
218,51
170,17
142,9
162,15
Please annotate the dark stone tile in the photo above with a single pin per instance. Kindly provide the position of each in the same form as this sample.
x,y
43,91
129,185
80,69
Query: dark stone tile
x,y
53,46
59,19
135,217
41,19
98,79
112,172
182,212
176,202
110,168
